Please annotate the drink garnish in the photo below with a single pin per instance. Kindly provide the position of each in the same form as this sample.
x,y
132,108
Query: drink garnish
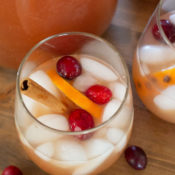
x,y
99,94
68,67
33,90
74,95
80,120
168,28
164,78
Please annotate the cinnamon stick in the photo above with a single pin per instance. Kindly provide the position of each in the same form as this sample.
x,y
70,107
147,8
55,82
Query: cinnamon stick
x,y
33,90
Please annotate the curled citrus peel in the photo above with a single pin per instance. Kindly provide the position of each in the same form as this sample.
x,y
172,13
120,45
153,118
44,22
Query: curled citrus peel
x,y
74,95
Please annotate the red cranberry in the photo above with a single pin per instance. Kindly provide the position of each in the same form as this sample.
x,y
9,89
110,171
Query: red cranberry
x,y
80,120
136,157
12,170
99,94
68,67
168,28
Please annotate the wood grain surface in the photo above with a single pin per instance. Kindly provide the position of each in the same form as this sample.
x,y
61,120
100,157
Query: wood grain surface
x,y
155,136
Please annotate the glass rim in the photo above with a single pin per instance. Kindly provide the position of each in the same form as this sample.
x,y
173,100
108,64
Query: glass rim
x,y
158,14
73,132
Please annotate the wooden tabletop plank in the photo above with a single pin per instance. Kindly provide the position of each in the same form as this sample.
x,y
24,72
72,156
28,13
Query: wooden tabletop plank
x,y
155,136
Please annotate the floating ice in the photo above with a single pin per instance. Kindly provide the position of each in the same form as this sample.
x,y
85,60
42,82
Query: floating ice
x,y
23,139
97,147
98,69
45,151
110,109
84,81
36,134
165,103
166,100
93,164
152,54
21,116
70,150
123,118
118,90
170,92
28,67
114,135
121,145
172,18
168,5
63,165
43,80
144,70
55,121
101,133
102,50
35,107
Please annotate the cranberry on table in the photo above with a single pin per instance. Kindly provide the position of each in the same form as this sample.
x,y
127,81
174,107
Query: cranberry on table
x,y
168,28
80,120
99,94
12,170
136,157
68,67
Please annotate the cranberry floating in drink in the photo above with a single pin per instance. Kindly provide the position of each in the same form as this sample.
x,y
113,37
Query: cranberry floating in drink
x,y
168,28
74,113
99,94
80,120
68,67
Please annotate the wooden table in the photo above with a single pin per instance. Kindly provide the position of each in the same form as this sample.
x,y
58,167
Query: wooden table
x,y
155,136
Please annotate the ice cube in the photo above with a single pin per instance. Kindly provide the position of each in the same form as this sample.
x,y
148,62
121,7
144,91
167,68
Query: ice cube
x,y
92,165
45,151
166,100
21,116
123,142
168,5
172,18
36,134
84,81
110,109
123,119
35,107
55,121
170,92
63,165
70,150
114,135
118,90
101,133
97,147
23,139
144,70
28,67
152,54
97,69
103,51
121,145
43,80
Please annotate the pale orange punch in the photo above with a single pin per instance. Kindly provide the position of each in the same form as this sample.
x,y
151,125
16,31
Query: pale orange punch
x,y
164,78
